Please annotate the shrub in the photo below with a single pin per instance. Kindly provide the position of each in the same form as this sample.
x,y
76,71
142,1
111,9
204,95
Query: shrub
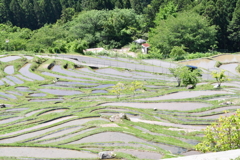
x,y
135,86
177,53
222,135
118,88
134,47
155,53
238,68
218,64
78,46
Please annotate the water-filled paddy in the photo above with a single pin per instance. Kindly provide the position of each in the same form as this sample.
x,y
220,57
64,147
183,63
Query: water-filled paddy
x,y
99,91
141,154
37,94
1,82
228,58
8,95
43,152
15,79
187,94
230,67
24,78
9,58
46,100
9,69
8,81
25,71
60,92
182,106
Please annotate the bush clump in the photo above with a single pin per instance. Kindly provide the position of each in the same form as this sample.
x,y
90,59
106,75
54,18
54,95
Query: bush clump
x,y
222,135
218,64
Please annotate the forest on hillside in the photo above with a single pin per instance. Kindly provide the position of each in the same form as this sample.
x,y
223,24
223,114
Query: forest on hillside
x,y
74,25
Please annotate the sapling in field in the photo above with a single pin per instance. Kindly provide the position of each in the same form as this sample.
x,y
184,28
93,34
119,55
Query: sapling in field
x,y
118,88
220,77
135,86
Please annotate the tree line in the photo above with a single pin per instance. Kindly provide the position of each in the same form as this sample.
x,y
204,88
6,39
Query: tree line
x,y
194,26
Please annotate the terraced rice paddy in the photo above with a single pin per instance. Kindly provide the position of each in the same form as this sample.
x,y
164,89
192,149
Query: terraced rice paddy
x,y
63,111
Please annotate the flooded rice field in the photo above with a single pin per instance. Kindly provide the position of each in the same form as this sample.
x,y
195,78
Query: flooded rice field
x,y
26,72
9,58
228,58
203,63
76,112
187,94
163,106
9,69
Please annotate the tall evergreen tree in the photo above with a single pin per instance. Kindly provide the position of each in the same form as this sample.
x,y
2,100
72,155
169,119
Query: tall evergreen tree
x,y
39,13
30,19
6,10
219,12
234,28
17,12
3,13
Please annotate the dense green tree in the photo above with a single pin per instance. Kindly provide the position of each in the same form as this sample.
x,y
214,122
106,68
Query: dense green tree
x,y
164,12
38,14
234,28
187,29
3,13
139,5
150,12
113,28
67,15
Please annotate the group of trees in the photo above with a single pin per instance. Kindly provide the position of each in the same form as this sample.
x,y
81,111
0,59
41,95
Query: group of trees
x,y
72,25
95,28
